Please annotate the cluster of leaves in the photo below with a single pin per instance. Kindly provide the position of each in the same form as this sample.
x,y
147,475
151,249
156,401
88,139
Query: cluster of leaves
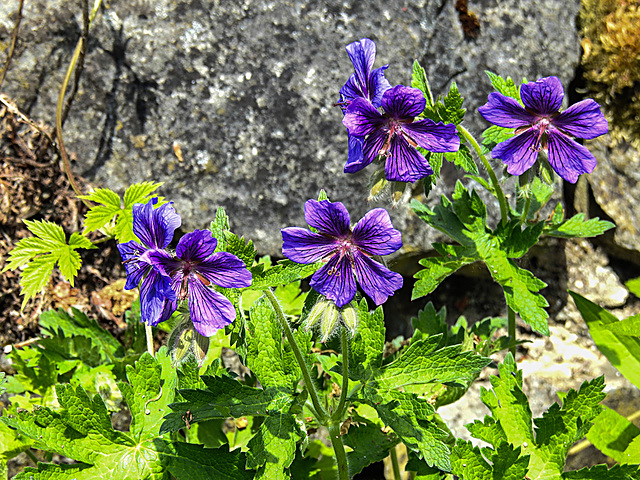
x,y
464,219
619,341
38,255
522,447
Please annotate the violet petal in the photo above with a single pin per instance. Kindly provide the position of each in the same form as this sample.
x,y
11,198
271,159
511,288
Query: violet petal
x,y
225,270
361,118
403,103
568,158
435,137
303,246
155,227
210,310
505,112
519,152
583,120
377,281
374,234
331,218
335,280
405,164
155,290
543,96
355,161
196,246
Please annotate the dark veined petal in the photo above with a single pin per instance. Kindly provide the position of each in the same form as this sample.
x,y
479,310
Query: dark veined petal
x,y
361,118
374,234
155,291
335,280
568,158
135,268
327,217
163,261
196,246
210,310
405,164
377,281
304,246
350,91
403,103
505,112
378,84
225,270
435,137
519,152
355,161
544,96
373,145
155,227
362,54
583,120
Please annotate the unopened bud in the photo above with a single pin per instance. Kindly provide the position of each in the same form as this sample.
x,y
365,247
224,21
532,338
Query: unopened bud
x,y
316,313
329,321
350,317
398,189
185,343
546,172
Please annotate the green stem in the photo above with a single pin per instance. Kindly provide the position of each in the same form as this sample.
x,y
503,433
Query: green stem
x,y
341,455
32,456
149,335
527,204
394,463
511,319
338,414
504,210
313,394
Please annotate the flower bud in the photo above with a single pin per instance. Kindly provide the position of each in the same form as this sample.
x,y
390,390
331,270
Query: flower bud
x,y
317,313
350,317
185,343
377,183
546,172
329,321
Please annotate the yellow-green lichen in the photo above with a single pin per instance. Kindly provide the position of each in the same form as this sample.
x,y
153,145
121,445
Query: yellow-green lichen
x,y
610,32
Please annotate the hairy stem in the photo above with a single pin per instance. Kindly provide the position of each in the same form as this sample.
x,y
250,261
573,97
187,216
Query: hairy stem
x,y
149,335
504,209
306,376
394,463
341,455
14,39
527,203
338,414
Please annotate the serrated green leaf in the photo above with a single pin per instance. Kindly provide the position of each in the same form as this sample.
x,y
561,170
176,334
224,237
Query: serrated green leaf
x,y
468,463
41,253
539,192
273,448
82,428
266,356
423,363
419,80
187,461
368,344
621,350
505,86
408,415
218,228
462,159
283,273
369,443
612,434
629,326
111,210
225,397
602,472
464,219
488,430
245,251
493,136
78,324
577,227
453,111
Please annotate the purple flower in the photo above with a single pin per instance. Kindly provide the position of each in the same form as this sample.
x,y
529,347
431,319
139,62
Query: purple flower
x,y
154,228
193,269
347,252
395,135
541,125
365,83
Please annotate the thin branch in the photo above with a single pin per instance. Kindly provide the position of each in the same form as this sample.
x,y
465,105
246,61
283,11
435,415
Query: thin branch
x,y
14,40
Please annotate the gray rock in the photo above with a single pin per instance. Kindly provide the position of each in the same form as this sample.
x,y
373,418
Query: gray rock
x,y
246,89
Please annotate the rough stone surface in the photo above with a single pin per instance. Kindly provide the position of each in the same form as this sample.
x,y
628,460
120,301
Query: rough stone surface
x,y
614,185
246,89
